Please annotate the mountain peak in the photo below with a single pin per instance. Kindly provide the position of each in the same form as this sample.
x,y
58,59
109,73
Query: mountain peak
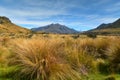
x,y
55,28
4,19
56,24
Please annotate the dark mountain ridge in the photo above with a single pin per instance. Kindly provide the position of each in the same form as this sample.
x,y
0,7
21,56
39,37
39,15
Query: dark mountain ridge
x,y
55,28
115,24
105,29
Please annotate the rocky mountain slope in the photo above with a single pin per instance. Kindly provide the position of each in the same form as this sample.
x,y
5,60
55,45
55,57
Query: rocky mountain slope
x,y
55,28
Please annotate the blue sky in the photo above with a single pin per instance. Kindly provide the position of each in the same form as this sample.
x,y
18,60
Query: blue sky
x,y
77,14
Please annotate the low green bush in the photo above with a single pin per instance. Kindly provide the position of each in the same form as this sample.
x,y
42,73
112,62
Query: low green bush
x,y
103,67
111,77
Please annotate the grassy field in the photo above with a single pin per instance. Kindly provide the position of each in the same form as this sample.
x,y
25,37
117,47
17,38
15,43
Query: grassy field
x,y
60,57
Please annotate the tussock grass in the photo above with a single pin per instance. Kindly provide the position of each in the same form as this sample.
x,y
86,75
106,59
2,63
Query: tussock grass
x,y
56,58
41,60
4,53
78,57
114,54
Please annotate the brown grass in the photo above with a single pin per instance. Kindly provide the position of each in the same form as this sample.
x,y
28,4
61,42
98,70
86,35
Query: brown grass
x,y
58,58
42,60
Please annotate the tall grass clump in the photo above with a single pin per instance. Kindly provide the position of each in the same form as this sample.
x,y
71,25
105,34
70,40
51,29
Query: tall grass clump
x,y
108,50
78,57
85,54
41,59
101,46
4,53
114,55
95,47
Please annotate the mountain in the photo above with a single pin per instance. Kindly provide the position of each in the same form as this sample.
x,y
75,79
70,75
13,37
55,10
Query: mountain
x,y
115,24
55,28
111,28
6,26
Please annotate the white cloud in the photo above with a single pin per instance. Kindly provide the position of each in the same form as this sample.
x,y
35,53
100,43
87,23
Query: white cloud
x,y
27,13
108,20
38,23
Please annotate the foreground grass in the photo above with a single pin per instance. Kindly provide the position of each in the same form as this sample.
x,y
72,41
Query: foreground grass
x,y
90,77
60,59
100,77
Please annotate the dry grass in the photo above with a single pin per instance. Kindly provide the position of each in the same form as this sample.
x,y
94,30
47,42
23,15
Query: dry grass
x,y
59,58
41,60
4,53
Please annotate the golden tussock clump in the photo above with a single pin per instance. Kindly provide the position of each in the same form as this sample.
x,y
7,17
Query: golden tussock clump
x,y
41,60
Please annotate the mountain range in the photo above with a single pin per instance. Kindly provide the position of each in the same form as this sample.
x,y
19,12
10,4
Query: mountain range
x,y
110,28
6,26
55,28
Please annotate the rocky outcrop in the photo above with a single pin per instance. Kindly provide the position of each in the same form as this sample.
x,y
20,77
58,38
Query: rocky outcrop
x,y
4,19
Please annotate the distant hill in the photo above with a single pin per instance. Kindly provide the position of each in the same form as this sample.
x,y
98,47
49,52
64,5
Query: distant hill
x,y
6,26
111,28
113,25
55,28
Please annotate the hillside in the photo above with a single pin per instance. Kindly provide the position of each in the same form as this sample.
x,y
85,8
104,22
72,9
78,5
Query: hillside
x,y
115,24
111,28
55,28
6,26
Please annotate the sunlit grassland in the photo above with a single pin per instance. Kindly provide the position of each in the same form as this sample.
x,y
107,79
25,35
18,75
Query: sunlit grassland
x,y
59,57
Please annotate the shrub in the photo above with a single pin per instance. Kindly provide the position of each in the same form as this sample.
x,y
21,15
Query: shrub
x,y
92,35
